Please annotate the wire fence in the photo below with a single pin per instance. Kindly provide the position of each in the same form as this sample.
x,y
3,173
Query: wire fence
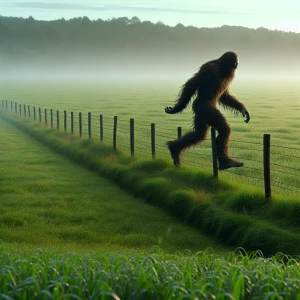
x,y
262,160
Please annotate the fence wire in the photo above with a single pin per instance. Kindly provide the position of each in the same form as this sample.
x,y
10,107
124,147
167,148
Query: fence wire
x,y
284,159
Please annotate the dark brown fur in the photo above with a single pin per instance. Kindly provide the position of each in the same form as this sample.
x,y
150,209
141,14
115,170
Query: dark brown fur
x,y
210,85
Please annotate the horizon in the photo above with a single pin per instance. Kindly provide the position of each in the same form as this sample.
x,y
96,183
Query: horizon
x,y
107,20
282,15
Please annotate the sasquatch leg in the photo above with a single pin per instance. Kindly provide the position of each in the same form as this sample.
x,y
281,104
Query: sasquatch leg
x,y
189,139
219,122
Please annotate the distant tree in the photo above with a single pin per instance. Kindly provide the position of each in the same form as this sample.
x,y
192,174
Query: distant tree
x,y
134,20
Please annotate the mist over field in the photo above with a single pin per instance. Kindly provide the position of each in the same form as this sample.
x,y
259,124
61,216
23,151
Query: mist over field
x,y
129,48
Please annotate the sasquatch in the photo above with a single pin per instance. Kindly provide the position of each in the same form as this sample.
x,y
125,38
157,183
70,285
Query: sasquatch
x,y
210,85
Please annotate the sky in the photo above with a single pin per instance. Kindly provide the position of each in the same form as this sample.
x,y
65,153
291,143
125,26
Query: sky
x,y
271,14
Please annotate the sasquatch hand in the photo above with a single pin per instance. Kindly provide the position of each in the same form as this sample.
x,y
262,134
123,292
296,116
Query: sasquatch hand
x,y
170,110
246,114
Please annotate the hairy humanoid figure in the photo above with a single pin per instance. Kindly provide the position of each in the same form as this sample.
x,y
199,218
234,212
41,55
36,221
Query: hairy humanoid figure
x,y
210,84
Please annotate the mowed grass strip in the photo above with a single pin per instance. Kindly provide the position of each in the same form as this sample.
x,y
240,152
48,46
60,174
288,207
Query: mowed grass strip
x,y
47,200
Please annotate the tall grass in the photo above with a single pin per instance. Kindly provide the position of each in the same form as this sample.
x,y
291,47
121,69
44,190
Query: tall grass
x,y
46,274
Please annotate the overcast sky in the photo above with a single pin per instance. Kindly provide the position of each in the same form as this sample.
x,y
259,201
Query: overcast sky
x,y
272,14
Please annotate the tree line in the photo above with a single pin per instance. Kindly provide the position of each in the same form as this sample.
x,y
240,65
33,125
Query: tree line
x,y
123,45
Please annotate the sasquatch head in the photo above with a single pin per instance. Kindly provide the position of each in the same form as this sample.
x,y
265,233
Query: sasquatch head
x,y
228,62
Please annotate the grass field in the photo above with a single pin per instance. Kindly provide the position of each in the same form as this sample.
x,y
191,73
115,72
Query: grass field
x,y
237,215
47,200
273,105
66,210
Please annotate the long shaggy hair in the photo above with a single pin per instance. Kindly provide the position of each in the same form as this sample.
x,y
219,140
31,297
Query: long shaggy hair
x,y
208,87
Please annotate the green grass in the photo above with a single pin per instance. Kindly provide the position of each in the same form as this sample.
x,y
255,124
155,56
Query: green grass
x,y
273,106
47,200
224,210
234,214
49,274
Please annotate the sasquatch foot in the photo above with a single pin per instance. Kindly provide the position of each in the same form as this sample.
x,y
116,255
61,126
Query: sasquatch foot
x,y
229,163
175,154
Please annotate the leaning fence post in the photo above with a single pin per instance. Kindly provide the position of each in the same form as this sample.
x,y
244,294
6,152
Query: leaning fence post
x,y
72,122
115,133
214,151
101,128
267,171
153,139
90,125
80,124
132,137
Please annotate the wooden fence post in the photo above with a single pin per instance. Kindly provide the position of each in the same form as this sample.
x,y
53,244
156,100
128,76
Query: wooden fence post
x,y
179,132
101,128
65,120
6,104
11,106
16,108
3,104
90,125
40,115
57,119
132,137
80,124
214,151
20,107
25,111
46,119
115,133
153,139
29,111
34,113
51,117
72,123
267,170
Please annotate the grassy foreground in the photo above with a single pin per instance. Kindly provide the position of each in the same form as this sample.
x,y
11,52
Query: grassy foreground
x,y
228,212
46,274
48,200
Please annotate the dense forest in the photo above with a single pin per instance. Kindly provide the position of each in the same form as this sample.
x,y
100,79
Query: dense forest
x,y
130,47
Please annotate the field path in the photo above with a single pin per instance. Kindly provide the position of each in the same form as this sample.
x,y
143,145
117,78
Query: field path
x,y
48,200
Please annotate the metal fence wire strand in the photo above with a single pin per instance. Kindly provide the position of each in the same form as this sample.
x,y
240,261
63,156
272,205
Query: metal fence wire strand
x,y
142,143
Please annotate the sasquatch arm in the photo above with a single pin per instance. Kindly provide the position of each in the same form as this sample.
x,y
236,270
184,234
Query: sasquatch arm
x,y
188,90
230,101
